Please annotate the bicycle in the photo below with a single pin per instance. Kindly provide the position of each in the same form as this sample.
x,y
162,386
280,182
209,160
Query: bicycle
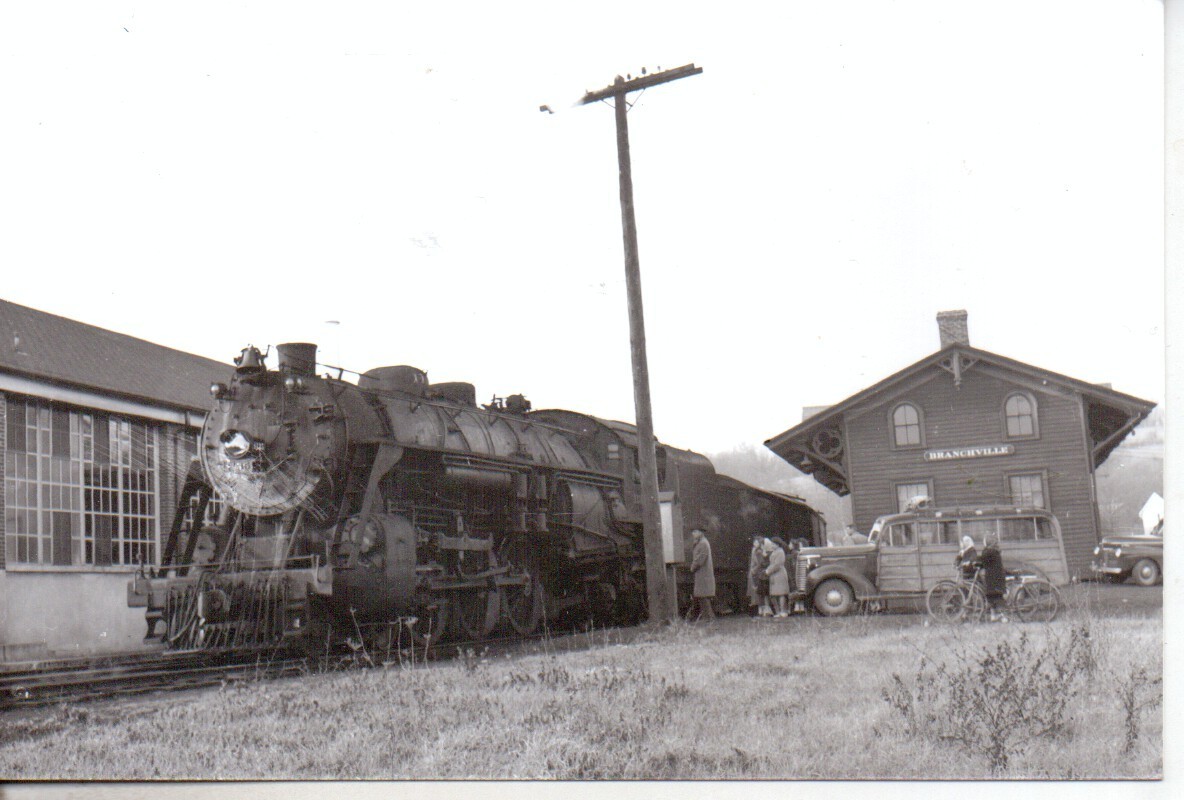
x,y
1029,597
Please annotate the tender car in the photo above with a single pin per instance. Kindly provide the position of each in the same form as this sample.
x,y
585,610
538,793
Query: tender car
x,y
1117,558
908,553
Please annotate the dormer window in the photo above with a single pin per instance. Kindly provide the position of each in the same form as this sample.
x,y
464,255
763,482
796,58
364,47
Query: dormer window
x,y
906,426
1019,414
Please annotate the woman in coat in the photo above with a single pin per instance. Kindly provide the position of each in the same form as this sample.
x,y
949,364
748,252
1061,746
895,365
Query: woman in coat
x,y
994,578
778,578
757,581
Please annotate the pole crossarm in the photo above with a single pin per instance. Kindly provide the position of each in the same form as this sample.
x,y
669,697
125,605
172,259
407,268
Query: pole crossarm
x,y
622,86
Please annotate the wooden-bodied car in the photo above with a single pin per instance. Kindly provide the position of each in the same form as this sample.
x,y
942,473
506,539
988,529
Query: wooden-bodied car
x,y
907,554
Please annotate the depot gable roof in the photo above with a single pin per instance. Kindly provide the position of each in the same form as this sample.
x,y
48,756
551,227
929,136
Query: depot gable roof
x,y
1112,414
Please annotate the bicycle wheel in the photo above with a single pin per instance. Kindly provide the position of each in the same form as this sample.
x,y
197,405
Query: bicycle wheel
x,y
946,602
976,603
1036,601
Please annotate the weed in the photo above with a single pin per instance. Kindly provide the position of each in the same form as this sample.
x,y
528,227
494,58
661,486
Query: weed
x,y
470,660
1130,691
998,700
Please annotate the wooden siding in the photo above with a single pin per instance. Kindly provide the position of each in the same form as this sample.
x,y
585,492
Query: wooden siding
x,y
938,563
967,416
899,570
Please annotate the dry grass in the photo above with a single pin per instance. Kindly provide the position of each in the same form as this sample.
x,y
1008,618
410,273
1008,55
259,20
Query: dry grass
x,y
741,699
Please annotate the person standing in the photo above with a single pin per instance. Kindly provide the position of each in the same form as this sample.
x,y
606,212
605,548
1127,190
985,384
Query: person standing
x,y
967,558
994,578
756,573
703,568
778,579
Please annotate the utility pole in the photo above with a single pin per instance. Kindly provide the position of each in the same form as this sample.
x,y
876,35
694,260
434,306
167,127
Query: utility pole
x,y
661,605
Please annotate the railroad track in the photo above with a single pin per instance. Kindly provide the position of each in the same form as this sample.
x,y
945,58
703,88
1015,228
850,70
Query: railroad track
x,y
90,679
48,682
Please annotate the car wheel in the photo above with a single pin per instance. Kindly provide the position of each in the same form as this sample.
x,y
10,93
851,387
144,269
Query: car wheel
x,y
1146,572
834,598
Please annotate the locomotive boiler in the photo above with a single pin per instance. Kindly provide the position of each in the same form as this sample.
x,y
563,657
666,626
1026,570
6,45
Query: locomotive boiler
x,y
395,510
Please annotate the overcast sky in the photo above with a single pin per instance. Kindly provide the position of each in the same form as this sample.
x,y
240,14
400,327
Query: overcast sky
x,y
211,174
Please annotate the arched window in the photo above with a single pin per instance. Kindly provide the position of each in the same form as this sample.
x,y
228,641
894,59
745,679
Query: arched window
x,y
906,425
1019,412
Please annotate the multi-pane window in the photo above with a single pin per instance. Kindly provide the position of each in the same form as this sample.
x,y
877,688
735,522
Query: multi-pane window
x,y
1019,411
907,493
80,488
906,425
1027,490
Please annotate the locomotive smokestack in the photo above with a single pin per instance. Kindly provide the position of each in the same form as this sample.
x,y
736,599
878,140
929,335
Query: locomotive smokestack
x,y
298,358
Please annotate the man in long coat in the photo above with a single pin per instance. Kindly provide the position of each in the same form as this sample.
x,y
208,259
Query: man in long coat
x,y
703,568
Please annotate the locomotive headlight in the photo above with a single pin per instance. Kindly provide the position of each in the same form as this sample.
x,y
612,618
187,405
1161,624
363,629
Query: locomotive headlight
x,y
217,390
294,383
236,444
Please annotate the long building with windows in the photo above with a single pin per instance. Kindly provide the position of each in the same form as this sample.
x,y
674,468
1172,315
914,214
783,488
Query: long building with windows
x,y
97,430
965,427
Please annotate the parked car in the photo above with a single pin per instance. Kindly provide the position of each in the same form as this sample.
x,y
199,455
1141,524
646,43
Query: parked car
x,y
906,554
1136,556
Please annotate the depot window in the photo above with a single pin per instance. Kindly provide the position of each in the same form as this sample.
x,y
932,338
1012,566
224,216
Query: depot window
x,y
1019,415
906,426
907,493
80,488
1027,489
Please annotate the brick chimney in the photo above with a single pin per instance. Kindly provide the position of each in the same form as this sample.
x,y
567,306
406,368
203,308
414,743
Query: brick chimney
x,y
951,325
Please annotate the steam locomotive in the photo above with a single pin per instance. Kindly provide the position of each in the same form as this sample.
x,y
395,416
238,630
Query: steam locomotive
x,y
397,511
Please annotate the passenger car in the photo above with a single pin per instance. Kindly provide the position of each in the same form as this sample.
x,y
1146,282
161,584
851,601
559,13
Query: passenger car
x,y
1117,558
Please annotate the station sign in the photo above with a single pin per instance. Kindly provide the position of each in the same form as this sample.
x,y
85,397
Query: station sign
x,y
970,452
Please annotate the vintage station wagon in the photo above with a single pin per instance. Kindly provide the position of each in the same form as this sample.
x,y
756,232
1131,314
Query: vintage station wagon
x,y
907,553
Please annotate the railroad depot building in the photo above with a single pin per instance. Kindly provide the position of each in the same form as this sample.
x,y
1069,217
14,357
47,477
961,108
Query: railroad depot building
x,y
966,428
97,430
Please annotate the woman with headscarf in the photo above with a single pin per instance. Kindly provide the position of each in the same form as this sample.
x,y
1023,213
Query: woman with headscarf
x,y
966,558
778,578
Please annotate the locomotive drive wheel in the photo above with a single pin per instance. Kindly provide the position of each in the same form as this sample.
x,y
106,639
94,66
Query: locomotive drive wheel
x,y
834,598
522,603
477,609
1146,572
477,612
430,621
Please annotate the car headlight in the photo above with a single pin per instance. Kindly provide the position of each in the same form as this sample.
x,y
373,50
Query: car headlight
x,y
1118,552
1097,551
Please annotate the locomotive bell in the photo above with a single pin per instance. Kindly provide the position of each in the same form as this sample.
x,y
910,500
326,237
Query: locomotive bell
x,y
250,361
